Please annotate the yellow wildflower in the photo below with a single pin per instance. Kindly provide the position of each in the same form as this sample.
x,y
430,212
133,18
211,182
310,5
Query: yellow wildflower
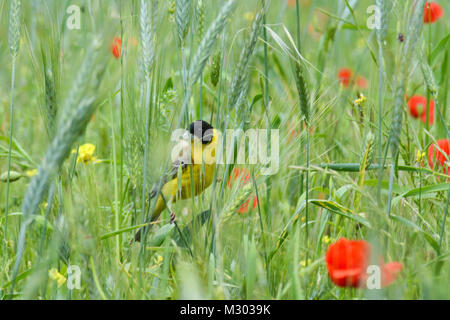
x,y
361,43
326,239
159,259
303,263
420,155
85,153
249,16
360,100
31,172
58,277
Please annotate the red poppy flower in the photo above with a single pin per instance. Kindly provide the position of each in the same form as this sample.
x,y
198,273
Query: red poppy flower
x,y
244,207
423,117
437,157
418,107
361,82
432,12
344,76
244,177
295,129
116,46
236,173
291,3
347,262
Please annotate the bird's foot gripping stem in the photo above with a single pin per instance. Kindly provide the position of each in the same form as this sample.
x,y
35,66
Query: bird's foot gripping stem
x,y
172,217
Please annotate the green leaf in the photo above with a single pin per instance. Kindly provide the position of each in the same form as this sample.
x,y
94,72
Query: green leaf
x,y
429,238
250,273
168,85
39,219
341,210
440,47
160,235
117,232
197,222
427,189
406,222
385,185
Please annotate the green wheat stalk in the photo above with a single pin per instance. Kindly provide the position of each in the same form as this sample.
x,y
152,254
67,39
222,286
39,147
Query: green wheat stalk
x,y
433,89
200,17
147,29
365,162
147,42
302,90
429,78
239,78
205,48
182,17
414,28
66,135
238,200
78,90
214,74
381,38
14,28
198,62
14,44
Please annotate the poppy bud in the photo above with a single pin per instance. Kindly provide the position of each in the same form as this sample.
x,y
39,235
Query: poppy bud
x,y
116,46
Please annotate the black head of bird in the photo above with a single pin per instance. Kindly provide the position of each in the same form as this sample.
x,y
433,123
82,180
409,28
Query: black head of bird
x,y
202,130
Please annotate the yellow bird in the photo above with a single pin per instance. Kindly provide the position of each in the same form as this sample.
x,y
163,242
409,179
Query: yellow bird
x,y
197,156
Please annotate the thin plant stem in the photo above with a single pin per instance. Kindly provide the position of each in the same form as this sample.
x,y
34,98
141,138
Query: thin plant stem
x,y
268,126
307,148
444,219
11,129
118,240
147,120
380,120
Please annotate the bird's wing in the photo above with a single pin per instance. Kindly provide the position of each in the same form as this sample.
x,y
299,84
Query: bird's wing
x,y
181,160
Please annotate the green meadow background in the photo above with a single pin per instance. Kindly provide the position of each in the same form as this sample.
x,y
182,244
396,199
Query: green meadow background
x,y
241,67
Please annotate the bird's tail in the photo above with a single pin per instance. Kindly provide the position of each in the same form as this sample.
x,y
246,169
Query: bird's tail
x,y
160,206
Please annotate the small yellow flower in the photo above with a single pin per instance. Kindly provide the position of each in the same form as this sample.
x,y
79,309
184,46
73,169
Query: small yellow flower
x,y
361,43
31,172
159,259
249,16
420,155
360,100
303,263
58,277
326,239
85,153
